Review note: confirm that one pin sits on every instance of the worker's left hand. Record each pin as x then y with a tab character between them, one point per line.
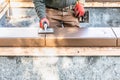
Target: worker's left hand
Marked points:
79	9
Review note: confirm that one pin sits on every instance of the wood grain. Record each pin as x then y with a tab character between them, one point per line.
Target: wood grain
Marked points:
3	9
60	51
87	4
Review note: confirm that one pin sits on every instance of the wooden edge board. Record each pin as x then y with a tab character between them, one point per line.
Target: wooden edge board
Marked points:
87	4
3	5
102	4
21	4
3	11
21	37
60	51
22	42
116	31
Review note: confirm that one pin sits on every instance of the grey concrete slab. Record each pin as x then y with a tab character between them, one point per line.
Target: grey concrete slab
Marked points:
21	37
81	37
117	33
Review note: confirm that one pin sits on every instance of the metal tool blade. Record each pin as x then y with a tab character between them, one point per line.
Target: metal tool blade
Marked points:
46	31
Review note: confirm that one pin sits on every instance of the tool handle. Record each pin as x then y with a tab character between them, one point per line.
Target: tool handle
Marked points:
44	21
45	25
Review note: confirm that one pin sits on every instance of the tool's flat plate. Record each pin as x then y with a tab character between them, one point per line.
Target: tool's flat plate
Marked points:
117	32
48	31
21	37
81	37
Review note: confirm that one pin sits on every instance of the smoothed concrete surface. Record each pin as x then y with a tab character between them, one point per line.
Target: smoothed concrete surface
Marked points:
81	37
68	37
21	37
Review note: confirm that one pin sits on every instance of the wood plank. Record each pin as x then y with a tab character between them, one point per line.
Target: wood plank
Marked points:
81	37
102	4
106	0
86	0
87	4
21	4
59	51
3	9
21	37
117	32
111	4
21	0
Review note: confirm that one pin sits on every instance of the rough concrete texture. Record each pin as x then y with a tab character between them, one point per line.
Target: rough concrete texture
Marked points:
59	68
20	18
4	22
103	17
24	17
98	17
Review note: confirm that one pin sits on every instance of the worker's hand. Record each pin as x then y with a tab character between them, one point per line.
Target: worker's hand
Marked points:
43	21
79	9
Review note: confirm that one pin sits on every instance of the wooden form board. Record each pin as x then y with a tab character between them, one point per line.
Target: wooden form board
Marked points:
4	6
59	51
86	0
87	4
3	10
20	0
102	0
117	32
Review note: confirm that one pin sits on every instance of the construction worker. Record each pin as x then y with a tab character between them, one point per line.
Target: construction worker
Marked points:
59	12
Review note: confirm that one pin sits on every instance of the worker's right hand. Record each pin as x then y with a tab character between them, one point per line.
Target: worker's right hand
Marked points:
43	21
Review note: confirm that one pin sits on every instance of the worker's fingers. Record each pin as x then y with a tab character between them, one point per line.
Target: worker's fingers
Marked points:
76	13
79	14
47	22
76	7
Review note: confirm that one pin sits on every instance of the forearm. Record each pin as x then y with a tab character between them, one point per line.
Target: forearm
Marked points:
81	1
40	8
